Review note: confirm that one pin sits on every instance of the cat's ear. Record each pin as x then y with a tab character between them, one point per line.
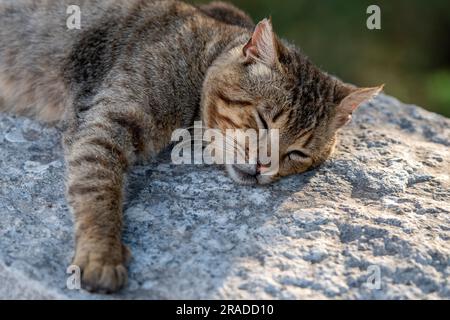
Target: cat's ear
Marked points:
262	46
353	101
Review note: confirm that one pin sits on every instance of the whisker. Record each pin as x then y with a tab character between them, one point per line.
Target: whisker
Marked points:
231	146
228	147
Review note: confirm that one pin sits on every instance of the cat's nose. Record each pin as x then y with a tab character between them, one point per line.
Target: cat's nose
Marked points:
261	169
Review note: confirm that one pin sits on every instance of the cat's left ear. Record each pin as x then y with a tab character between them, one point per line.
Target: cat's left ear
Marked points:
353	101
263	45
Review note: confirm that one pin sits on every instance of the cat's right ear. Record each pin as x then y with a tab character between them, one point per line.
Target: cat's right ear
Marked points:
262	46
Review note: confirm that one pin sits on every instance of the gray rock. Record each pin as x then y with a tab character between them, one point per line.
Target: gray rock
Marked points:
380	206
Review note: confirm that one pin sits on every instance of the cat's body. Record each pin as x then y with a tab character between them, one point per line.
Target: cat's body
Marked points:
136	71
164	47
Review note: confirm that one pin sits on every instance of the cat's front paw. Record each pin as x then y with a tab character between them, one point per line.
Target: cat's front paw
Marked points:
103	271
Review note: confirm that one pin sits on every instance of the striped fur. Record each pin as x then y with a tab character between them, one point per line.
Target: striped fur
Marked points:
136	71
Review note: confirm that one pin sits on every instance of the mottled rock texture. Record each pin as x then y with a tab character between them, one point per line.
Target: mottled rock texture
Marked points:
381	204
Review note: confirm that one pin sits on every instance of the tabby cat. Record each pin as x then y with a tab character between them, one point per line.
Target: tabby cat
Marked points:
137	70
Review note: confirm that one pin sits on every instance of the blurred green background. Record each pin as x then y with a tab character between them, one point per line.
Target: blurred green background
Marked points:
410	54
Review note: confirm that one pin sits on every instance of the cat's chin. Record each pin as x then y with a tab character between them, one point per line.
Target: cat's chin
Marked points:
245	178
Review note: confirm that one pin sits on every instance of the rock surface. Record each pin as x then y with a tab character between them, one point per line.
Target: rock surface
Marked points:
373	222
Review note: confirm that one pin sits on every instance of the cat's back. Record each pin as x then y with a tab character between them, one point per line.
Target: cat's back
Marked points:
42	29
40	52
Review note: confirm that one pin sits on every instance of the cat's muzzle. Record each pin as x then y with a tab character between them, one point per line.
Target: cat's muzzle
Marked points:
247	174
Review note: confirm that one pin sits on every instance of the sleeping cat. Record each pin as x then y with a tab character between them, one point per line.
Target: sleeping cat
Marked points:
139	69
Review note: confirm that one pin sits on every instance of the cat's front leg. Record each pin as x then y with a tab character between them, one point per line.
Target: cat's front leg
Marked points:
98	153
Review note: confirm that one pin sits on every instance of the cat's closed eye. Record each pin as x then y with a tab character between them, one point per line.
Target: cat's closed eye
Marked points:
298	155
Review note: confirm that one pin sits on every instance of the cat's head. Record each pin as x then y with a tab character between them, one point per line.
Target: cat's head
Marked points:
269	84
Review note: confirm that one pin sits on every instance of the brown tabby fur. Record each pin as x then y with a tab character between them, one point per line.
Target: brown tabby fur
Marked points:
136	71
